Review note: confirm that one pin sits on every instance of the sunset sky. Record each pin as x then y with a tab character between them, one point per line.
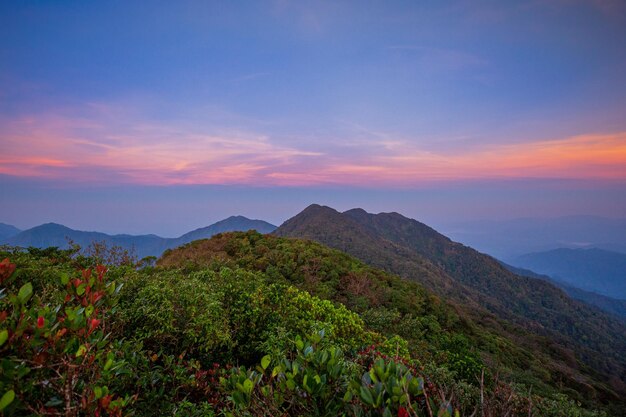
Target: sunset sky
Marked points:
165	116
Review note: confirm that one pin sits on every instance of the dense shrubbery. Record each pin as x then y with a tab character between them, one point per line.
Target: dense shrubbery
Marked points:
78	338
59	355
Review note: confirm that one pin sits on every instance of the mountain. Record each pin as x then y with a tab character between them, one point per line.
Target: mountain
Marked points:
435	328
607	304
231	224
52	234
481	286
6	231
509	239
595	270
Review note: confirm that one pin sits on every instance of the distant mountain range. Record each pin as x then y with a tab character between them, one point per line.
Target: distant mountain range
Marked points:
509	239
478	283
611	305
52	234
596	270
6	230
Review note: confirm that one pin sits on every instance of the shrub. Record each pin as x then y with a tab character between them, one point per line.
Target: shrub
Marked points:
59	359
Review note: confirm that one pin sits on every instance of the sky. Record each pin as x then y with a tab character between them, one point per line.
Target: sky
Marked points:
159	117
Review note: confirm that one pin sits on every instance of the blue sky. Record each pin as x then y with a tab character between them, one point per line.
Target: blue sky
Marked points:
271	105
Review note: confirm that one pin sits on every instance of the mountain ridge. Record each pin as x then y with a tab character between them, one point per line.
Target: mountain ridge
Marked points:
535	304
607	304
590	269
8	230
55	234
391	304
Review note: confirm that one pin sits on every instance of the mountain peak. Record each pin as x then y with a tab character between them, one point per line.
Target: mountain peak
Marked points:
51	226
235	218
230	224
7	230
317	219
316	209
356	211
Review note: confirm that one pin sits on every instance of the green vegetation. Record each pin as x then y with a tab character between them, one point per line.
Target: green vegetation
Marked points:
248	325
560	341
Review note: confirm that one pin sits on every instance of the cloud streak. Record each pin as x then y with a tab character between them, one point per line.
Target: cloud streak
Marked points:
101	151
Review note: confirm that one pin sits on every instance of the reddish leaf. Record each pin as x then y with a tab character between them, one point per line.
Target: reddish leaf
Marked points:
6	269
93	324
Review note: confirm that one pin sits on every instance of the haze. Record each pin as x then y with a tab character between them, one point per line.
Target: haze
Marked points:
162	117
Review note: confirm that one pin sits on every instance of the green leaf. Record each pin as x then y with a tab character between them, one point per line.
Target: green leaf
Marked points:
366	395
97	391
65	278
108	364
299	343
248	386
348	397
81	289
265	361
25	293
4	335
89	310
7	399
81	350
238	398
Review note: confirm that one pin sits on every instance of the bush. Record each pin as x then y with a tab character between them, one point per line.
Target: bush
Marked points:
173	314
59	359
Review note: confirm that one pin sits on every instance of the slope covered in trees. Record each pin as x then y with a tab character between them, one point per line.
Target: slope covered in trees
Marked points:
397	306
251	325
481	287
610	305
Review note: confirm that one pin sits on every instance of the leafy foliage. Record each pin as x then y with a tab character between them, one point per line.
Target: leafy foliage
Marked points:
260	326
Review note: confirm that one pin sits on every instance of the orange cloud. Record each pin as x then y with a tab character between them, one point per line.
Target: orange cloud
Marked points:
585	157
81	150
580	157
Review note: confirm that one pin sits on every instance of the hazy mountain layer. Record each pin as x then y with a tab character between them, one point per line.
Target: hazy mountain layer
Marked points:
593	270
52	234
508	239
607	304
6	230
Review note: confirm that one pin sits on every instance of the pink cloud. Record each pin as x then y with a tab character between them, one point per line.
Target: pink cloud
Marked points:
97	149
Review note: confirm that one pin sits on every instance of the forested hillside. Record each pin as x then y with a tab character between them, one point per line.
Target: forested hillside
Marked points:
479	285
522	355
246	324
610	305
